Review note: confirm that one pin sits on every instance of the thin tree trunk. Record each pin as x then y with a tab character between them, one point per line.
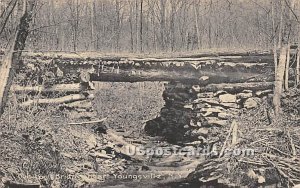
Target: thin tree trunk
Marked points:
10	64
197	25
141	26
131	27
274	38
297	67
287	67
281	25
279	79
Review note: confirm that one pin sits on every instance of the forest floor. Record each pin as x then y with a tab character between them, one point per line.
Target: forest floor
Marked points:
39	146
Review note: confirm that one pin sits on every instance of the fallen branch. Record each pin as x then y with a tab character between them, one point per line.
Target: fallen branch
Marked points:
292	144
226	140
89	122
234	133
125	145
66	99
64	88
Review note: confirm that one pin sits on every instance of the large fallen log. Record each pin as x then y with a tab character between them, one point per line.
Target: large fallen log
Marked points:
61	88
61	100
238	87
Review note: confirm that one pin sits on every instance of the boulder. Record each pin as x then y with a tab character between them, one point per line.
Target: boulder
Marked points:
252	103
227	98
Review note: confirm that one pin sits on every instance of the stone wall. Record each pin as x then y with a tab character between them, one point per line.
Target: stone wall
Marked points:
198	114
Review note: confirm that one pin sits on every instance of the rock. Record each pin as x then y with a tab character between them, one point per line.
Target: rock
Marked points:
91	142
212	111
211	101
203	131
216	109
100	155
227	98
195	143
225	115
188	106
203	78
244	95
196	88
207	114
199	132
218	93
261	180
100	128
205	95
263	93
230	105
195	124
247	91
217	121
201	105
87	180
251	103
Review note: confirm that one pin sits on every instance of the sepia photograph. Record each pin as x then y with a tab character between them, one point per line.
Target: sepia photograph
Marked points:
149	94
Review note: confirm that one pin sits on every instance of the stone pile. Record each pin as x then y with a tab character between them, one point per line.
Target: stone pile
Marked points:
192	114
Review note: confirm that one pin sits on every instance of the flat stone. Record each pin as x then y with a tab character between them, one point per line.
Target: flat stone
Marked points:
216	109
225	115
244	95
207	114
252	103
218	93
188	106
200	132
201	105
227	98
230	105
100	155
247	91
205	95
211	101
263	93
217	122
204	78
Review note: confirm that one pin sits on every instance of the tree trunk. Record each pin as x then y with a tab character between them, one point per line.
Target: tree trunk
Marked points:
279	79
10	63
141	26
287	67
274	37
297	68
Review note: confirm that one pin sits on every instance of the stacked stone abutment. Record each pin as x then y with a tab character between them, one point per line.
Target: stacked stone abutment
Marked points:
197	114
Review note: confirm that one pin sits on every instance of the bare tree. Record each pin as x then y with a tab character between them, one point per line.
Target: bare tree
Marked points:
10	64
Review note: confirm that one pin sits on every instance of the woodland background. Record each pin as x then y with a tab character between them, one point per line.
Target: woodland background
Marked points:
154	25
